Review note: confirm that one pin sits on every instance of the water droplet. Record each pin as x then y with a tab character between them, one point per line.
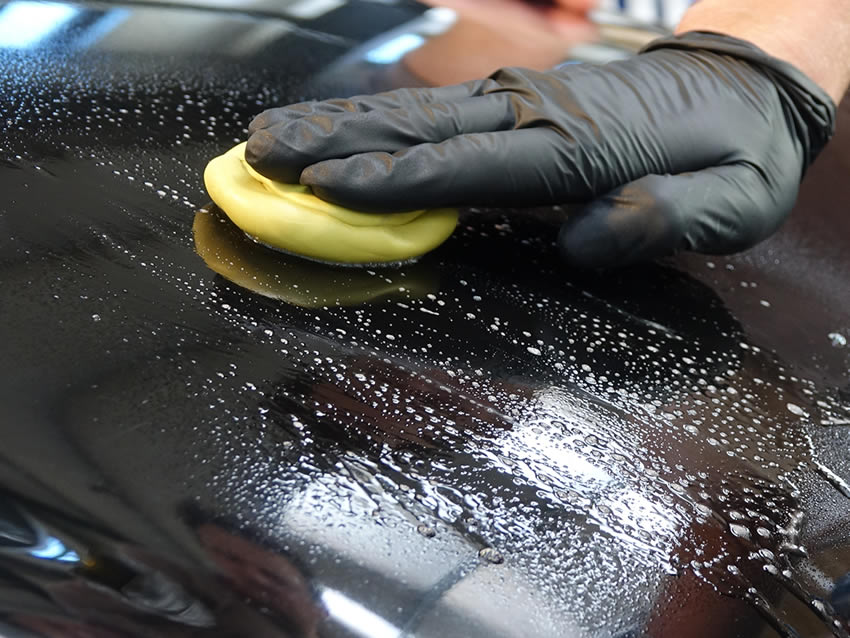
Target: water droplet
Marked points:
793	408
837	339
426	530
741	531
491	555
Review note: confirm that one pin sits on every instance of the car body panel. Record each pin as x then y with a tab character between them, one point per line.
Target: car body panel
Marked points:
201	437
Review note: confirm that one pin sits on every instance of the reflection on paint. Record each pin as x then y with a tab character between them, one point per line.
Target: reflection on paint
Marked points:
355	617
572	439
102	27
25	24
395	49
53	549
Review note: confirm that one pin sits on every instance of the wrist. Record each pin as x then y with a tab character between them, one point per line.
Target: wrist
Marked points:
808	110
785	30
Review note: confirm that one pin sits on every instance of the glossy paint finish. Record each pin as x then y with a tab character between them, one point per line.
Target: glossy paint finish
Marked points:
199	437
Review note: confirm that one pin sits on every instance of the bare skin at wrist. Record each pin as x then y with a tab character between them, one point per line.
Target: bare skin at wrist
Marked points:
815	40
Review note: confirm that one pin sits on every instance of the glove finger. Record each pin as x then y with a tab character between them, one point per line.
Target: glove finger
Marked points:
718	210
488	169
281	152
398	99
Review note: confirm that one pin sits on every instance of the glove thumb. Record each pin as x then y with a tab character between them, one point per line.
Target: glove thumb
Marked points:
719	210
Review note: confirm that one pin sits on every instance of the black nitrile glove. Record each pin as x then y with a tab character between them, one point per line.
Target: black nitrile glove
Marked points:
698	143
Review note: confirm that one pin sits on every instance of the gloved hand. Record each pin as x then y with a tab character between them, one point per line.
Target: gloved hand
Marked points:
698	143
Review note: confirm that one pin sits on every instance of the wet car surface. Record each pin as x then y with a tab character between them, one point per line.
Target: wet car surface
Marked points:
201	437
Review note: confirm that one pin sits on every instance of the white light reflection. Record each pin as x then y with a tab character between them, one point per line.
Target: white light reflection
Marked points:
437	20
355	617
53	549
601	478
103	27
24	24
312	9
395	49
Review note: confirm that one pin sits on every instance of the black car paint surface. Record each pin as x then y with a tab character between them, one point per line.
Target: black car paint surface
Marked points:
204	438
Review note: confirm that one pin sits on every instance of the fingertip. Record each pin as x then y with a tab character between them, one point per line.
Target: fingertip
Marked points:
322	179
584	243
272	117
327	180
258	148
315	176
264	155
261	121
614	230
636	222
362	183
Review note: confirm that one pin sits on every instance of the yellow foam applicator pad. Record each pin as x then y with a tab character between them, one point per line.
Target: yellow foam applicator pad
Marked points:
290	218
